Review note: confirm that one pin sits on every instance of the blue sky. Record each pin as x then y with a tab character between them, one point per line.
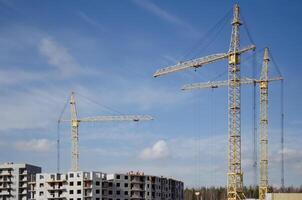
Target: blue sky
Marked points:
108	50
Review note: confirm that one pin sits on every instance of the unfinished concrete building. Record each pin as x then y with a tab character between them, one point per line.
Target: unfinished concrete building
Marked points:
24	182
72	186
14	180
142	187
99	186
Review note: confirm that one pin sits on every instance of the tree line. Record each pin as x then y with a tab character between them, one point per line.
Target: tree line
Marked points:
219	193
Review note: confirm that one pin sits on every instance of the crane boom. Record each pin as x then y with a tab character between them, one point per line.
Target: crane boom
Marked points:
214	84
75	122
224	83
109	118
198	62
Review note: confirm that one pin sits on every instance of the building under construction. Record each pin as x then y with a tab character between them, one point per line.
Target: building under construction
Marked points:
24	182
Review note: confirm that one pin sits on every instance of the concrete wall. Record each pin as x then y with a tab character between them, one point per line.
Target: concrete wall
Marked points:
284	196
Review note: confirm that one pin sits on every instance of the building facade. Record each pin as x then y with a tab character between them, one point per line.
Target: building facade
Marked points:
26	182
139	186
99	186
71	186
14	180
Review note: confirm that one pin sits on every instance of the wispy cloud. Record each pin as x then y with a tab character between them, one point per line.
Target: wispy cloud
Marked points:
58	56
35	145
20	76
34	109
159	150
164	15
91	21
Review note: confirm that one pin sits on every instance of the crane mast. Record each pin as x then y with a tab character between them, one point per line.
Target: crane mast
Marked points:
235	176
263	187
74	134
263	83
75	122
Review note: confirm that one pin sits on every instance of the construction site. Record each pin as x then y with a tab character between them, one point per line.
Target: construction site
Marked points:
245	101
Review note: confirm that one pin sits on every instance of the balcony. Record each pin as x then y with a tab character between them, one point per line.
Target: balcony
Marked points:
53	189
5	173
6	187
137	187
88	194
137	196
23	185
6	180
23	173
55	196
5	193
24	179
137	180
24	192
56	180
87	185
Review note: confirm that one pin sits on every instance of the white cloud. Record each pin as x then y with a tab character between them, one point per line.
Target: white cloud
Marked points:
59	57
159	150
36	145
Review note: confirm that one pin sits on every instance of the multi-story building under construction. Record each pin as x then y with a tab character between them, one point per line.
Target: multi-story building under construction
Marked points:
98	186
72	186
26	182
142	187
14	179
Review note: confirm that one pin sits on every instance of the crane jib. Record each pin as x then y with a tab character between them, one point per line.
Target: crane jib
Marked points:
196	63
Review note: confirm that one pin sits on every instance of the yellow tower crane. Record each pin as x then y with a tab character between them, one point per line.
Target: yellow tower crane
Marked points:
263	186
263	83
75	122
234	175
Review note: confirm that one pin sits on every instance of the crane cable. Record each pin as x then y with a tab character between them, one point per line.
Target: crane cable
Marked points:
212	133
247	29
198	150
203	43
282	135
281	118
58	134
255	136
113	110
206	35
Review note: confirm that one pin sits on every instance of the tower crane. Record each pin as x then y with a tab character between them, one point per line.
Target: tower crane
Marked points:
234	175
263	83
263	187
75	122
